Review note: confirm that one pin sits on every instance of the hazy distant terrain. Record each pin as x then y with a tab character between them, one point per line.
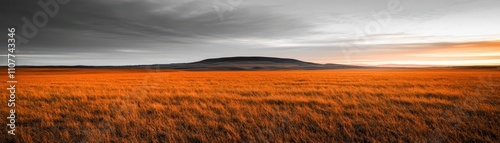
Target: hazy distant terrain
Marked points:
264	63
252	63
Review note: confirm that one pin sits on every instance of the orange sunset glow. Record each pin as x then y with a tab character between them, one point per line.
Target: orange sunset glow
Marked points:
441	54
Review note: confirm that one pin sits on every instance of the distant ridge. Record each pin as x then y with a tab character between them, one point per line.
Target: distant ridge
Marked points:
231	63
252	63
263	63
263	60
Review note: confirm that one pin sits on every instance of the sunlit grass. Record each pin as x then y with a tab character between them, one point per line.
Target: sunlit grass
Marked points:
256	106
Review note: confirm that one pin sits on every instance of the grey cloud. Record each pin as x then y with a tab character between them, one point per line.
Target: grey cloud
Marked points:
185	30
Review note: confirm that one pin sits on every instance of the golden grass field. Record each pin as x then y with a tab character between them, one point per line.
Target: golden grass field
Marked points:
126	105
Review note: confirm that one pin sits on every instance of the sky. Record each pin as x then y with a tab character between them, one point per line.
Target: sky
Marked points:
357	32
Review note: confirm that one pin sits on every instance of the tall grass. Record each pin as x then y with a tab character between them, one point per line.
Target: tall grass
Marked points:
70	105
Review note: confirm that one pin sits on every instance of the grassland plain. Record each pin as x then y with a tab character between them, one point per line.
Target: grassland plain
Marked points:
113	105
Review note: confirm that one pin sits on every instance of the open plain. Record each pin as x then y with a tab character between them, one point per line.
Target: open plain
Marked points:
357	105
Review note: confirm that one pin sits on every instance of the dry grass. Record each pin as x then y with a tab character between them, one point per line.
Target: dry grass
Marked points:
68	105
